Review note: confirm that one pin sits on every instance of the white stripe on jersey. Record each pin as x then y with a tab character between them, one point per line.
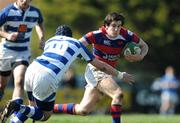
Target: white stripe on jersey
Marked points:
60	52
14	12
16	44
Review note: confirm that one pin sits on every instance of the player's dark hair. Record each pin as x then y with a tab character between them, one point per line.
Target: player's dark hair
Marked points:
113	17
64	30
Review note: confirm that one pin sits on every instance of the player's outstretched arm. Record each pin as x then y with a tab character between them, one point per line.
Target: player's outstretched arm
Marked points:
112	71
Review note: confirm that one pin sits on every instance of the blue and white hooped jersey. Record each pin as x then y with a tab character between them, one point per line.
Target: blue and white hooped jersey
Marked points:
169	80
60	52
13	19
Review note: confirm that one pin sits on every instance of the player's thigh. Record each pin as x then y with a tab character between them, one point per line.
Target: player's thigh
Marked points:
109	87
20	64
90	98
19	71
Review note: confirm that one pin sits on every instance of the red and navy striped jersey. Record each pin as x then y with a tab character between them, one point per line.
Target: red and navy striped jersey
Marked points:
108	50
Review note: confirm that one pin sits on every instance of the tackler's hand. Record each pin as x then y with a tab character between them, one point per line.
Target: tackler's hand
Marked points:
128	78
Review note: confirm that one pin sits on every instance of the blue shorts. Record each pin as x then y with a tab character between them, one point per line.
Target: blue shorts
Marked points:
42	105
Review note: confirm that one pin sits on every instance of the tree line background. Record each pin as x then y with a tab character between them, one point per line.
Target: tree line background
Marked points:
157	22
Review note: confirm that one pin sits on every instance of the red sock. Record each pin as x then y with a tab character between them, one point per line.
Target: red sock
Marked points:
64	108
116	113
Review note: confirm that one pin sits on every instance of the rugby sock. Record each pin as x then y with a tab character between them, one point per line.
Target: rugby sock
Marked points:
19	118
31	112
116	113
25	112
64	108
18	101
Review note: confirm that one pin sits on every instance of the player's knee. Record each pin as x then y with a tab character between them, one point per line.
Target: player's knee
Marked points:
119	94
82	111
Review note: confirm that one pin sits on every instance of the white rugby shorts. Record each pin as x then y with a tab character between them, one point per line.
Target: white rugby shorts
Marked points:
41	83
169	96
93	76
7	57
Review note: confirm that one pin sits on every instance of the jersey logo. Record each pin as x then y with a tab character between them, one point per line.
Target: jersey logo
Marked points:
21	31
110	57
107	42
22	28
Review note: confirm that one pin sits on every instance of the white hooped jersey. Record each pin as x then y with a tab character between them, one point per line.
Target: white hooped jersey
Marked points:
60	52
13	19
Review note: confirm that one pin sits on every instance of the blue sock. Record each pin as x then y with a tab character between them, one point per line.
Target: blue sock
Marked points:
31	112
18	101
19	118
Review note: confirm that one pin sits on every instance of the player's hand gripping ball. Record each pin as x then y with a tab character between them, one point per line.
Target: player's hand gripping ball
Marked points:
132	49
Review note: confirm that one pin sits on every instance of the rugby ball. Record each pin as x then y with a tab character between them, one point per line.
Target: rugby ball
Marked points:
132	49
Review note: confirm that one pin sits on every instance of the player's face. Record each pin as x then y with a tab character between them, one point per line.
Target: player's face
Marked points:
23	4
113	29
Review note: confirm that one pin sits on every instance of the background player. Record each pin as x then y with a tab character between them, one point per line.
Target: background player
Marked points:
17	21
108	43
168	85
46	71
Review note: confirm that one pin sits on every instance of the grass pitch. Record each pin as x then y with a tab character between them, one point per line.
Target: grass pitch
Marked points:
126	118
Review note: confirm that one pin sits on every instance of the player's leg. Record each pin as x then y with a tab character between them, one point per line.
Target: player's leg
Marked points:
43	98
105	84
41	112
4	77
89	100
173	102
18	74
6	59
109	87
19	65
169	103
18	116
164	107
164	103
5	71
